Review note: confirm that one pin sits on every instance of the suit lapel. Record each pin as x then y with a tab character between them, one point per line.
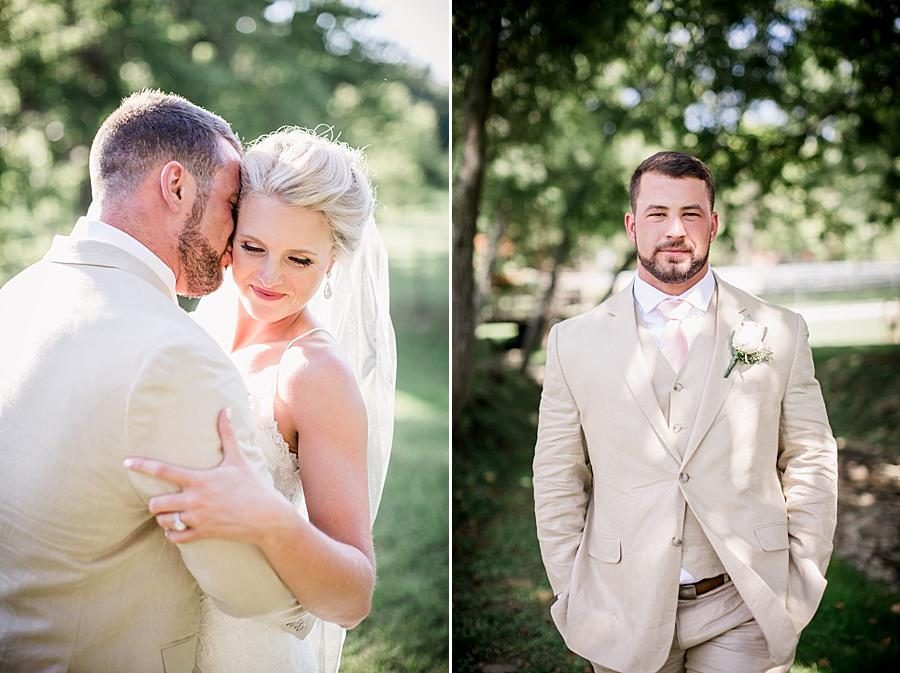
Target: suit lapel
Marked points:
625	351
68	250
730	312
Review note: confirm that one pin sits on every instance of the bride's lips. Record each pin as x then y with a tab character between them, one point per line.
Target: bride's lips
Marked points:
265	295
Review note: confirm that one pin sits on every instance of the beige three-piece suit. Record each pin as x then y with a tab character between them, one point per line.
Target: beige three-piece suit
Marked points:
97	363
640	471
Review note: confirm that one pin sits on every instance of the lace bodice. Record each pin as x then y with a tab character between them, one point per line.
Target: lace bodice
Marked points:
282	463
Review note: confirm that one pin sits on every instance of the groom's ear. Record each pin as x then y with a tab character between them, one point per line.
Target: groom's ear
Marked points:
629	227
177	186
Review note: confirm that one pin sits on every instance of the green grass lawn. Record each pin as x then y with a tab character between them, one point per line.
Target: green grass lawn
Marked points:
501	596
408	628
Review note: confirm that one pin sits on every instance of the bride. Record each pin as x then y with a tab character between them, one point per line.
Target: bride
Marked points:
319	367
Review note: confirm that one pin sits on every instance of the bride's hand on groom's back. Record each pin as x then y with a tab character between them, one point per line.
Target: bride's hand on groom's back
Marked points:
228	501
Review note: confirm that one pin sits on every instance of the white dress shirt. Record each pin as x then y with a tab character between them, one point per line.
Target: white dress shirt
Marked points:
648	299
95	230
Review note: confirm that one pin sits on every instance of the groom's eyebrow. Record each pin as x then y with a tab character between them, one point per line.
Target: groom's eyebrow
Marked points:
690	206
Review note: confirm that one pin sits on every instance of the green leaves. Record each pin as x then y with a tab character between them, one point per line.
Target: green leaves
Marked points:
259	64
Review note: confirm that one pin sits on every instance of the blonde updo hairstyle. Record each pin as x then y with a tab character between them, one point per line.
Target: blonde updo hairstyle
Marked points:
312	169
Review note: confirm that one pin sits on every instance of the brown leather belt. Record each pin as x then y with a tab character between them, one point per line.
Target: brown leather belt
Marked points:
688	592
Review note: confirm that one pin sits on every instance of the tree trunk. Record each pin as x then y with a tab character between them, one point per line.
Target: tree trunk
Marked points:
466	196
541	316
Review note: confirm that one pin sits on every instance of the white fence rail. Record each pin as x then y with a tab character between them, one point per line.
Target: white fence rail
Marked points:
806	279
802	287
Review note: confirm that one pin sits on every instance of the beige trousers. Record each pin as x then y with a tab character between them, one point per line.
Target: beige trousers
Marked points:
716	633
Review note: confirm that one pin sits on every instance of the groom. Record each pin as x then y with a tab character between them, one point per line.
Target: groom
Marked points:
685	471
98	362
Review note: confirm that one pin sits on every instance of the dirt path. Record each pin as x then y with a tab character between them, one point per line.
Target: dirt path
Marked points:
868	532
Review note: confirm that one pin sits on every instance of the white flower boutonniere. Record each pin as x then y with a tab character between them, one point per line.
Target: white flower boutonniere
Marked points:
747	345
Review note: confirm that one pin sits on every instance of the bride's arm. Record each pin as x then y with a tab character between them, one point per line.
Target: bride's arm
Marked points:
327	562
329	565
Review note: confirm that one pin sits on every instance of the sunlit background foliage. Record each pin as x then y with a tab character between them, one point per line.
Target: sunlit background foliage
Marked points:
65	65
792	103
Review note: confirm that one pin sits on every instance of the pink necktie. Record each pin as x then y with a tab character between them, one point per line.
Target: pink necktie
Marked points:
674	343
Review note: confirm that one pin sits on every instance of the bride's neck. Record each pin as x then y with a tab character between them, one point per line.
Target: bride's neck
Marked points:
251	332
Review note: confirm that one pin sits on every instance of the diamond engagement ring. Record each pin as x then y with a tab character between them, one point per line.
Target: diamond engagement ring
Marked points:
179	525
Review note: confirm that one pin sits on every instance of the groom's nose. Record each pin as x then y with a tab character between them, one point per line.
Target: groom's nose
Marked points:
676	227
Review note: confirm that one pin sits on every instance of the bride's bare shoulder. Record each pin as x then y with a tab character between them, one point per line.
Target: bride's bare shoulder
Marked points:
318	403
313	367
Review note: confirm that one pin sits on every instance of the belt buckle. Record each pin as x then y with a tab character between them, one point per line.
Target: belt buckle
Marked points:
687	592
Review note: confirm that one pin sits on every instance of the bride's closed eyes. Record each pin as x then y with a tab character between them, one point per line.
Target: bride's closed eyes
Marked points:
256	250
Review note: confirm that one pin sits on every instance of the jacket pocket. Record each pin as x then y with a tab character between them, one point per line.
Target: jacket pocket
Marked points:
179	656
772	536
605	548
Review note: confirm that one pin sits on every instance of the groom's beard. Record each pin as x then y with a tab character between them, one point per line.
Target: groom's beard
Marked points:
670	273
201	265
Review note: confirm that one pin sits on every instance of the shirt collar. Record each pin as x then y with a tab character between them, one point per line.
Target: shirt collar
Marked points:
698	296
95	230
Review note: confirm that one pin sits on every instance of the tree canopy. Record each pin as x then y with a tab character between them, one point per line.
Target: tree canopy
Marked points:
791	103
794	98
262	65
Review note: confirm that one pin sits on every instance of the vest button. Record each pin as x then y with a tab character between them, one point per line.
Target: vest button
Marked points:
677	427
684	477
678	387
676	541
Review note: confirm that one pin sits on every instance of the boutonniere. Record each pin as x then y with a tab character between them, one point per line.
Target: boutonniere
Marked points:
747	345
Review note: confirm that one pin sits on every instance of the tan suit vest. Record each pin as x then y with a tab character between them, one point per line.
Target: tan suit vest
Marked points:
678	396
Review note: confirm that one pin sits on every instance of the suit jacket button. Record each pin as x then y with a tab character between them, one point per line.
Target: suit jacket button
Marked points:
676	541
678	387
684	477
677	427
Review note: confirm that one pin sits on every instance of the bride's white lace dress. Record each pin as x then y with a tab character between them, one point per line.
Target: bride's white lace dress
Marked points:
358	317
230	645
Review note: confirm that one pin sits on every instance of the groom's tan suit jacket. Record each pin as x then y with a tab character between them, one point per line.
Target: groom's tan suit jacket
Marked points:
630	480
97	362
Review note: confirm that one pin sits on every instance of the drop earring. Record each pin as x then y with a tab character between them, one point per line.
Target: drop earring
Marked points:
327	292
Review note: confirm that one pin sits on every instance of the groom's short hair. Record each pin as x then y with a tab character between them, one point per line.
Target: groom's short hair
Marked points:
150	128
673	165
